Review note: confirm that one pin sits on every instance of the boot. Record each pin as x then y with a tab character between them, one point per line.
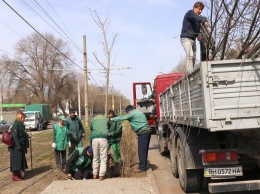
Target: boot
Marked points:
95	176
101	178
19	174
15	176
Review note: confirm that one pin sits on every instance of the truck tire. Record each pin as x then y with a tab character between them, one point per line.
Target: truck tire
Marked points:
190	179
159	143
161	148
173	158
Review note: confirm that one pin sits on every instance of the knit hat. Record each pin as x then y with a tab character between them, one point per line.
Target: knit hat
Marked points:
90	151
62	118
72	110
128	108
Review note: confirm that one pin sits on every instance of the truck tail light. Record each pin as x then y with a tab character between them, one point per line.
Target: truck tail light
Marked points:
212	157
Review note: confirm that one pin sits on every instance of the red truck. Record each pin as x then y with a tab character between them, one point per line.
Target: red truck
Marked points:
209	123
146	106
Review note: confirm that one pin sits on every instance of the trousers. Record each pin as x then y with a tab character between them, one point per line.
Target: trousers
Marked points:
143	146
100	151
60	157
116	151
189	46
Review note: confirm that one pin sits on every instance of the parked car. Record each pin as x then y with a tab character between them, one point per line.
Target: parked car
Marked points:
4	126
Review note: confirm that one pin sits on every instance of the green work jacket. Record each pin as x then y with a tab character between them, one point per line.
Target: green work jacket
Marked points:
137	120
115	131
75	127
99	127
81	161
60	136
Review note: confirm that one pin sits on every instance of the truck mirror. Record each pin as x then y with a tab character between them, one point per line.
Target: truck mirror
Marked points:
144	89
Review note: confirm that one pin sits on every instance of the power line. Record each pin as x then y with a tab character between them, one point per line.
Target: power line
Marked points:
63	24
41	34
94	79
10	28
36	4
7	53
73	43
52	27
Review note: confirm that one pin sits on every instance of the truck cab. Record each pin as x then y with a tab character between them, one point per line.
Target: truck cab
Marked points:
31	120
142	90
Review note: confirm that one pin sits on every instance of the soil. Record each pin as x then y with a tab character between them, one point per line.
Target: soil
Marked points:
41	171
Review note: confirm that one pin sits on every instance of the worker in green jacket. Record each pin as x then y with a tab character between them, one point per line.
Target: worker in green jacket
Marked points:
140	126
114	136
60	142
79	164
76	130
98	138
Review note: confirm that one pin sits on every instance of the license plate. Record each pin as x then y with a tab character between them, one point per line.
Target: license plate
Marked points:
226	171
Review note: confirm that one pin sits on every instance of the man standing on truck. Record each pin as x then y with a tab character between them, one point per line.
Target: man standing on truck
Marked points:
140	126
190	31
76	130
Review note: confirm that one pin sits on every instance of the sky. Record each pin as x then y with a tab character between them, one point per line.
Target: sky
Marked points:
148	32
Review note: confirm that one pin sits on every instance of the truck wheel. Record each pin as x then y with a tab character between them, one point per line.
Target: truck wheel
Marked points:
174	161
159	142
161	148
190	180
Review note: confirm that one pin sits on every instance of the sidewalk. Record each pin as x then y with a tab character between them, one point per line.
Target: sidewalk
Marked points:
133	185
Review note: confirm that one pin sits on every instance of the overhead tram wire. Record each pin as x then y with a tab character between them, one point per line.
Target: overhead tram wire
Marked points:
41	35
10	29
47	22
61	21
7	52
50	43
94	80
59	27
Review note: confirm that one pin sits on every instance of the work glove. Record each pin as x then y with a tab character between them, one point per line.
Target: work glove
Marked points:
29	135
69	176
53	145
69	144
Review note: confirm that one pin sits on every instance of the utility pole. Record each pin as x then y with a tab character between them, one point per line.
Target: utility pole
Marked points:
79	108
85	80
1	101
107	82
120	105
113	99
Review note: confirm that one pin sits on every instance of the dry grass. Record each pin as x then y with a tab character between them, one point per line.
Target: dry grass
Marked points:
128	147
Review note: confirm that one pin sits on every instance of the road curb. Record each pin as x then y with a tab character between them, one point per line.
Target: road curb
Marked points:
152	179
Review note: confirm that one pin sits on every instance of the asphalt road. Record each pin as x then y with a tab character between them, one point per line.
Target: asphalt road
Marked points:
161	169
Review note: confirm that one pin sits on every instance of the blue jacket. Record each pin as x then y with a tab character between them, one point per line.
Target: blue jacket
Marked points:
191	25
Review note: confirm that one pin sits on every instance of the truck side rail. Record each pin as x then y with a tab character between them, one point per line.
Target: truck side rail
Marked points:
218	95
